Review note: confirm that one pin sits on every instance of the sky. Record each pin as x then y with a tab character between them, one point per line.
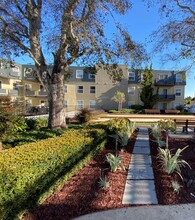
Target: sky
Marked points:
141	22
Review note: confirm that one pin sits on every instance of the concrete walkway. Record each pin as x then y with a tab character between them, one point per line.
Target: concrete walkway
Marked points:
140	188
153	212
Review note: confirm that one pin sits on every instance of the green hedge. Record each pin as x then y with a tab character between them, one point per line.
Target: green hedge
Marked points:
30	172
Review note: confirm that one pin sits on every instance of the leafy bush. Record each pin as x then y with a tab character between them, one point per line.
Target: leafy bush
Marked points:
137	107
29	171
20	124
37	123
115	162
172	163
118	124
167	125
84	115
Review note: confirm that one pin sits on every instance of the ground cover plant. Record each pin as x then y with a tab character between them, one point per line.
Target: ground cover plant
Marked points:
29	172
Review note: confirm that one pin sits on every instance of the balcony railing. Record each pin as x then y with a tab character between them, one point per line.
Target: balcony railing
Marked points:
164	82
13	92
3	91
29	92
166	97
42	93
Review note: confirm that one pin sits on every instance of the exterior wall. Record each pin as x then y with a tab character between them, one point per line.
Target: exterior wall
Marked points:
106	89
171	85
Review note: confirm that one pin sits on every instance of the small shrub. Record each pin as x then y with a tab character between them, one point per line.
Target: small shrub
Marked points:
20	124
137	107
84	115
172	163
34	124
176	186
103	182
115	162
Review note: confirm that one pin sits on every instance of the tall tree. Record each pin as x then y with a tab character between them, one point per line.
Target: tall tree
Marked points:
119	97
147	95
72	31
177	28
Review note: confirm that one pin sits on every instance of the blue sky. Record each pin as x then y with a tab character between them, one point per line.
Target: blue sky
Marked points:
141	21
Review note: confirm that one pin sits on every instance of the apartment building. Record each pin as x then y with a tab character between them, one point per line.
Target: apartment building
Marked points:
86	89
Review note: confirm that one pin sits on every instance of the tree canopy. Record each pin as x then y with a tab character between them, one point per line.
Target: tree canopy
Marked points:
177	29
64	32
147	95
119	97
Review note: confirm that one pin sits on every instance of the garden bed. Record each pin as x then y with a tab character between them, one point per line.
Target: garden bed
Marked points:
82	194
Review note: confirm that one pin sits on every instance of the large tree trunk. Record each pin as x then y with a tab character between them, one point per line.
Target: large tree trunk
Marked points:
57	118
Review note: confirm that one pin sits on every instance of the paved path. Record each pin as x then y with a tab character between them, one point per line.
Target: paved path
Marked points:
139	188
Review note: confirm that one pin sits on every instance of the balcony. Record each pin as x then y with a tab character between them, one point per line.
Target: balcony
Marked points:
42	93
13	92
166	97
2	91
29	92
164	82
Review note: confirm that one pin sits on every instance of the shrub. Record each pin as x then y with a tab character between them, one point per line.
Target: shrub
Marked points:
34	124
137	107
28	171
84	115
118	124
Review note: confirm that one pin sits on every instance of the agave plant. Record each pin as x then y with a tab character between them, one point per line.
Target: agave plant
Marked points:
156	131
103	182
115	162
176	186
172	163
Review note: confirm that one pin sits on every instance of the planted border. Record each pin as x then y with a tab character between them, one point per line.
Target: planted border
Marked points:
29	173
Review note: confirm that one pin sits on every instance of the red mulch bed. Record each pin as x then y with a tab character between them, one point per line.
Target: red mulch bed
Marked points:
82	194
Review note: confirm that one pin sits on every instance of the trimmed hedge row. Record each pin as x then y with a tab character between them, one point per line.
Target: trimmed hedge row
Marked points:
32	170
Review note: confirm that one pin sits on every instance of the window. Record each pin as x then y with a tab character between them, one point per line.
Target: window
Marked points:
91	75
80	104
66	89
79	74
79	89
131	91
65	104
92	104
92	89
131	76
178	92
178	78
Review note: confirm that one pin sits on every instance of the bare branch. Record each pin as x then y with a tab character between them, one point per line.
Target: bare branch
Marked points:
185	7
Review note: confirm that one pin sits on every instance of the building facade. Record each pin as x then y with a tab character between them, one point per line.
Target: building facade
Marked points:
86	89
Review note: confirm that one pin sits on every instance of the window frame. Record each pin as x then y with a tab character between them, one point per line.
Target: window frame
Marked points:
178	78
91	75
131	94
81	106
79	74
79	89
92	106
178	94
90	91
133	78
